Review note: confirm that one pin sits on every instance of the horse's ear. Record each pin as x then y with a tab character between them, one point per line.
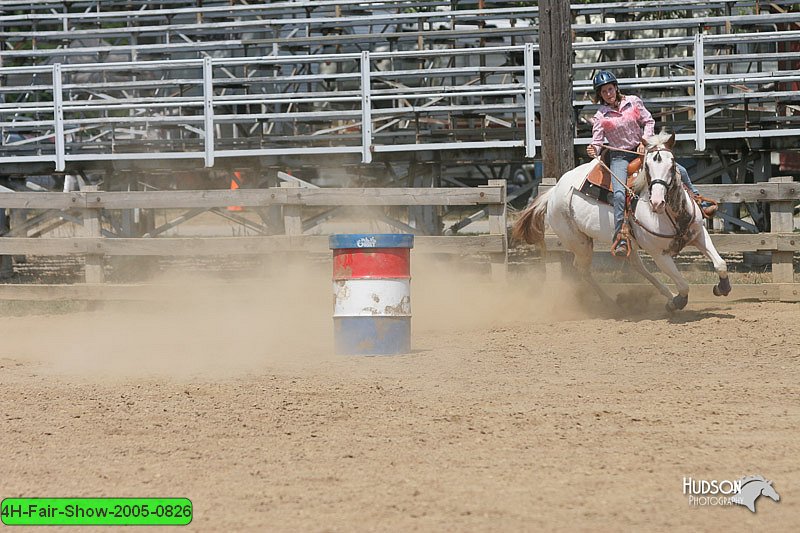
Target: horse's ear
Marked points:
671	141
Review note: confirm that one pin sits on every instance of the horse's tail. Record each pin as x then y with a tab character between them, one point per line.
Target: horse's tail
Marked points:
529	227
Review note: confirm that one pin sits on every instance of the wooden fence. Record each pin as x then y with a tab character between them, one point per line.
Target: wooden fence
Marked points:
782	194
95	243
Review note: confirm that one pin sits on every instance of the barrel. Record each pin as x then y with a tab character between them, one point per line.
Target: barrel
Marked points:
372	293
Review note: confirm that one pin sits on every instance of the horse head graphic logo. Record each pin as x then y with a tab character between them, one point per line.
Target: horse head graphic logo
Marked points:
752	488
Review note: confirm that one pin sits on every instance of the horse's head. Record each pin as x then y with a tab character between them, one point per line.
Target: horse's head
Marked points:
768	491
658	174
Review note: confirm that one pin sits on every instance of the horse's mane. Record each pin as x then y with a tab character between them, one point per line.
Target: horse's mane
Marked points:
640	183
659	139
654	141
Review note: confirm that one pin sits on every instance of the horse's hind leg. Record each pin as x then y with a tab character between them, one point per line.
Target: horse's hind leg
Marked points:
636	263
582	247
706	247
605	298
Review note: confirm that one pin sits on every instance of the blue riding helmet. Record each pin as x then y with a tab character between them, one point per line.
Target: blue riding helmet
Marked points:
603	77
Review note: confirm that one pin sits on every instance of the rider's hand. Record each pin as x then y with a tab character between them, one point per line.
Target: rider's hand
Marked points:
591	151
640	148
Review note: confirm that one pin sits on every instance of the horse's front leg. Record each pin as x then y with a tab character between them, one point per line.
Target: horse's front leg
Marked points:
636	262
667	265
706	247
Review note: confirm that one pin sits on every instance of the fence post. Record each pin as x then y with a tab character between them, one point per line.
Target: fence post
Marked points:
497	226
782	221
18	219
553	261
555	88
6	261
92	229
292	219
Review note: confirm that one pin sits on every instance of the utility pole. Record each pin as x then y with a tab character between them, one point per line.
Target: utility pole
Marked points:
557	115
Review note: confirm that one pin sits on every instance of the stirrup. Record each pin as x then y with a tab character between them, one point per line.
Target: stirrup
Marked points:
621	245
621	248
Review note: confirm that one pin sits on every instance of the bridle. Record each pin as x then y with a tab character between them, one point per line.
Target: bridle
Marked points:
657	158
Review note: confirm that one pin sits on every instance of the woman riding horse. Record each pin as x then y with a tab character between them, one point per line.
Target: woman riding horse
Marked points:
622	121
663	222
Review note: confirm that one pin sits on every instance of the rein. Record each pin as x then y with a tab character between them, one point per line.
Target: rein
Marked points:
624	184
674	225
615	177
615	149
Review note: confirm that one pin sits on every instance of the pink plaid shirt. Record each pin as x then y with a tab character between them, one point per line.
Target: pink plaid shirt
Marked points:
623	128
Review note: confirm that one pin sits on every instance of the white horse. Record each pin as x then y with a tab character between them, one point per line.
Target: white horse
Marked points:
664	221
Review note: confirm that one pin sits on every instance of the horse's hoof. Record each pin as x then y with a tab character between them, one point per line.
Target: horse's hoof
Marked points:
670	307
679	302
723	288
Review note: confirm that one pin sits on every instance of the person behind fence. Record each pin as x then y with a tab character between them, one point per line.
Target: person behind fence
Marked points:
622	120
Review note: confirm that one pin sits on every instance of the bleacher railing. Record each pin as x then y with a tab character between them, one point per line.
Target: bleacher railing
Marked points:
371	102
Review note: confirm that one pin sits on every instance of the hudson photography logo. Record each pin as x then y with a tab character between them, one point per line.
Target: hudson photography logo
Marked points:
725	492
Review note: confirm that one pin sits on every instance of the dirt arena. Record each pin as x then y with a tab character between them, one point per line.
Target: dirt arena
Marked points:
519	409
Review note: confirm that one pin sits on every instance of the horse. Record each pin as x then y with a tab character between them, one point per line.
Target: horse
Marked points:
664	220
752	488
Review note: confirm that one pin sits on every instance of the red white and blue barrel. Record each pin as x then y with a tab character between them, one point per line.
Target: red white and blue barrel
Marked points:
372	293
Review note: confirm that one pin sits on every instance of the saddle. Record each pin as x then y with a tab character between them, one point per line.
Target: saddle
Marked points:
597	183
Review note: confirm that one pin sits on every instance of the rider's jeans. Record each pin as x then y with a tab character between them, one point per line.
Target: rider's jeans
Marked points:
619	167
685	179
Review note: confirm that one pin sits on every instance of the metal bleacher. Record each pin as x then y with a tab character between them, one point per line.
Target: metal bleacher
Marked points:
102	86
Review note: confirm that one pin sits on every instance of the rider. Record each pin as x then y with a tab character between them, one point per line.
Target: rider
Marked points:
622	120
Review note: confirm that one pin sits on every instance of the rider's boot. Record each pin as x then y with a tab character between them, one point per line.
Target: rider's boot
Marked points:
709	208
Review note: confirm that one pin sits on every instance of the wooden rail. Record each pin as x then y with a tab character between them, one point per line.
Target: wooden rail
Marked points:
95	244
782	194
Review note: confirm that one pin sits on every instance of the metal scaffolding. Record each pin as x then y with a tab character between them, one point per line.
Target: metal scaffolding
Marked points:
82	83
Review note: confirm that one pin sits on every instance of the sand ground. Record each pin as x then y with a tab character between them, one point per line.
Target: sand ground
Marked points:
520	409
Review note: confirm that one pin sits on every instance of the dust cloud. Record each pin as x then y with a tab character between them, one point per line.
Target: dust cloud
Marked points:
448	292
197	327
184	326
